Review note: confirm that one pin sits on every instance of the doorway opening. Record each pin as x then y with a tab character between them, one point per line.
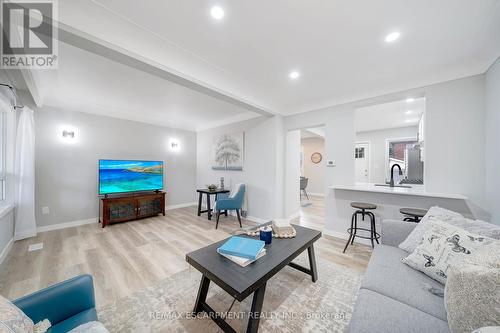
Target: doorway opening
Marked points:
312	178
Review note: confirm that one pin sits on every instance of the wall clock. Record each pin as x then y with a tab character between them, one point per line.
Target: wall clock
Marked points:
316	158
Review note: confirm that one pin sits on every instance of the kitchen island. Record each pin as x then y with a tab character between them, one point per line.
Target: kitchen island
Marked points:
389	200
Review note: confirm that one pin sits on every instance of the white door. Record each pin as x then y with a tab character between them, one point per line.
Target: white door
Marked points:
361	156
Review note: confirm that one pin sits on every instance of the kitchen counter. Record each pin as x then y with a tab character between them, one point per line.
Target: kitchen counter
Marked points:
415	190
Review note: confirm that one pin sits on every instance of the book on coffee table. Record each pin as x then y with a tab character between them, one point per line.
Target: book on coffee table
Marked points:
242	247
243	262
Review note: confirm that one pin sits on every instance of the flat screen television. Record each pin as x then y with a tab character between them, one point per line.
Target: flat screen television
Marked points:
122	176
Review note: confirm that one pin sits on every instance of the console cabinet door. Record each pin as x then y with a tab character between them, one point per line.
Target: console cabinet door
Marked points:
122	210
148	206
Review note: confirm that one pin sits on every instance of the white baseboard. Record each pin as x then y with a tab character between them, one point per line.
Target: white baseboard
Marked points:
187	204
345	236
256	219
66	225
94	220
6	250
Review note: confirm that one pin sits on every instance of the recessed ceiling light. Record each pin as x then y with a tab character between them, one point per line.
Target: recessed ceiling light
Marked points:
393	36
294	75
410	100
217	12
409	112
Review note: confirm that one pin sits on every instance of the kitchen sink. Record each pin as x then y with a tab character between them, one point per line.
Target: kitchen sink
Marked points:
387	185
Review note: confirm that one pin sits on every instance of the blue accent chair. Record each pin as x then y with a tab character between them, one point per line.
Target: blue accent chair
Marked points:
226	202
66	305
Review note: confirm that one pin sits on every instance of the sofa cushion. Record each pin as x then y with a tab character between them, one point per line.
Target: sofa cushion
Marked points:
376	313
387	275
74	321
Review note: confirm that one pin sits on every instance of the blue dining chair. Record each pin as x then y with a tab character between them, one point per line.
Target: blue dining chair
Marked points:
233	201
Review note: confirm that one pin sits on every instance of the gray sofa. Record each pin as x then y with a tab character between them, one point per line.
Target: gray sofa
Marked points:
394	297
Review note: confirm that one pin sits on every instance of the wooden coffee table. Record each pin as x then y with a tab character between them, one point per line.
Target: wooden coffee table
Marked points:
241	282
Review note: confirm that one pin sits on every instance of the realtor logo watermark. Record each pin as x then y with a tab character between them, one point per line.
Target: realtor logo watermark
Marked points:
29	38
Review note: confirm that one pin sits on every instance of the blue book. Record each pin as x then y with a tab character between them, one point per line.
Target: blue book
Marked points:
242	247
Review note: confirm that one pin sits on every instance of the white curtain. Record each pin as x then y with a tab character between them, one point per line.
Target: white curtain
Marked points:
24	169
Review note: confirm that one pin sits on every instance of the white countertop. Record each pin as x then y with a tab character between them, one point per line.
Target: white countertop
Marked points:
417	190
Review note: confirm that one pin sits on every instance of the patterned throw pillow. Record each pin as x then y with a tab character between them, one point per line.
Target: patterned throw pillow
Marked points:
438	214
12	319
443	246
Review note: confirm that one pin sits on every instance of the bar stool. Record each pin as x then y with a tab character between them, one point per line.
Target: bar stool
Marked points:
413	214
362	208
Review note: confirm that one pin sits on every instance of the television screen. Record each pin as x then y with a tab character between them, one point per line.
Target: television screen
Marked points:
119	176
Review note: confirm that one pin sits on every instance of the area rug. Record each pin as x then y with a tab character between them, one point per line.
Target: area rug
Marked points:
292	303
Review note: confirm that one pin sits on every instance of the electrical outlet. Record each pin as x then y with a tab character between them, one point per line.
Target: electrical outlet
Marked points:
330	163
45	210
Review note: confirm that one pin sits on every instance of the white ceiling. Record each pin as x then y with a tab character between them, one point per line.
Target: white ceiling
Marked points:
389	115
315	132
338	46
89	83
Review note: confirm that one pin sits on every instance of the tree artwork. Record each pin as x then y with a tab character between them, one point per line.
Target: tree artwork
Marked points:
228	152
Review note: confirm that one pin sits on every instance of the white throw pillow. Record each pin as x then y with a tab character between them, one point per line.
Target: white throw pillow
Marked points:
12	319
472	297
438	214
443	246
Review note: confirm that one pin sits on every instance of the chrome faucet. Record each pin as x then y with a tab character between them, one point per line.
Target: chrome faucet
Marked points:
391	184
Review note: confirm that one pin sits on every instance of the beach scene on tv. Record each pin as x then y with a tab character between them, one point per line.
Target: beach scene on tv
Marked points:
118	176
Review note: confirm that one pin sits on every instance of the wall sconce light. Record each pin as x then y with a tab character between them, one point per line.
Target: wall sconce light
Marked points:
174	144
68	134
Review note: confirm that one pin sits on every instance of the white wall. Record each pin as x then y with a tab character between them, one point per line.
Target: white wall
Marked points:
454	142
262	164
6	233
454	138
314	171
292	175
377	141
66	174
492	144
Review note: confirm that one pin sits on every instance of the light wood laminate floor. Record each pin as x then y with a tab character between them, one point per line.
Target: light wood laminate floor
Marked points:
127	257
312	212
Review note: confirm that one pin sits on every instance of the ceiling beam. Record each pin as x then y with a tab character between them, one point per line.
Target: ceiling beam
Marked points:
82	40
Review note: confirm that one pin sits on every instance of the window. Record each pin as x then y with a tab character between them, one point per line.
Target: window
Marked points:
359	152
407	154
2	156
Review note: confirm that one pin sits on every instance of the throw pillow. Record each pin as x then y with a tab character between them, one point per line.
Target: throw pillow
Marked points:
13	319
444	245
472	297
488	255
433	214
437	214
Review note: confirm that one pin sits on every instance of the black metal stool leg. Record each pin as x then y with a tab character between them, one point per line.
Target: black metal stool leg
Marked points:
374	228
350	234
372	222
354	231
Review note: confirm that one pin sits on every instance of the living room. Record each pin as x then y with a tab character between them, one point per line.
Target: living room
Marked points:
149	136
